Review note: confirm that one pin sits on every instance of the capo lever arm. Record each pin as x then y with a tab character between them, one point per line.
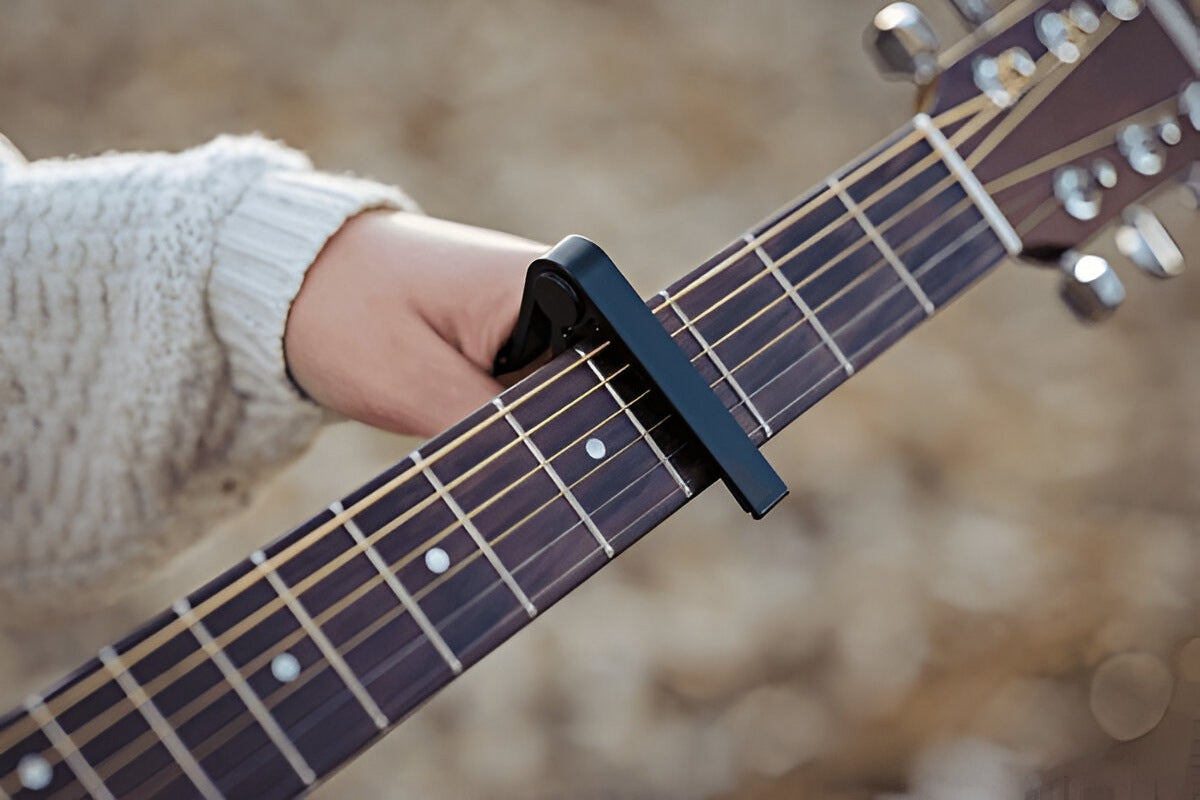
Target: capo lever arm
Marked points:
574	291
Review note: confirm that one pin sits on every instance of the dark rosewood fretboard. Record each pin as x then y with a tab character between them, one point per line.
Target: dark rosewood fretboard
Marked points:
268	679
276	673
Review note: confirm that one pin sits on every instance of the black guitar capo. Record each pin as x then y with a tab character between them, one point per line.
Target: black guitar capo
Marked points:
575	290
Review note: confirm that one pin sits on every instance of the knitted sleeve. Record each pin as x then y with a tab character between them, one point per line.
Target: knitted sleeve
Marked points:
143	391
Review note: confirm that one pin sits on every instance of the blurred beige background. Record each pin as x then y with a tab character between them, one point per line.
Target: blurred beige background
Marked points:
1000	504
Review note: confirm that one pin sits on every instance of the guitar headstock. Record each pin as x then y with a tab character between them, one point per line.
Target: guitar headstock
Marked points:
1068	112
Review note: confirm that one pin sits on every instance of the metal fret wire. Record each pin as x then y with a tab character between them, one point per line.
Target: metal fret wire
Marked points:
696	282
368	501
286	690
399	656
358	639
1010	15
299	588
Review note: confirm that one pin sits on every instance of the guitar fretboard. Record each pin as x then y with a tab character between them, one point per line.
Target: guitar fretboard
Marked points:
269	678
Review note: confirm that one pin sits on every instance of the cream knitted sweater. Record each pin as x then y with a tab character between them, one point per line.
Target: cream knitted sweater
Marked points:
142	384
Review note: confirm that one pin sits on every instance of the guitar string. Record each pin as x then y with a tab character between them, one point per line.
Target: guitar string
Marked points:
181	716
396	658
346	647
1082	147
760	348
985	148
232	634
672	453
866	167
319	666
799	210
1038	93
359	638
477	511
174	628
235	632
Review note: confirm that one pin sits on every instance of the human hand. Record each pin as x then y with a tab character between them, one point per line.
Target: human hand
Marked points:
400	316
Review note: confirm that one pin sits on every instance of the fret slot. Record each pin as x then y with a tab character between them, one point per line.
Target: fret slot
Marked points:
518	505
643	433
870	304
330	653
113	737
251	700
207	714
961	253
881	244
67	748
556	478
319	714
411	529
708	351
402	594
365	620
476	536
924	216
166	734
809	316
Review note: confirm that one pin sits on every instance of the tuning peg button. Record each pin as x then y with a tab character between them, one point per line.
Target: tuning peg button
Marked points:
975	12
904	44
1142	149
1144	241
1090	287
1076	189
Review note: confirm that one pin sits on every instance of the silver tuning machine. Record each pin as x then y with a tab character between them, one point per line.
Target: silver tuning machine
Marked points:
1090	287
1144	240
974	12
903	44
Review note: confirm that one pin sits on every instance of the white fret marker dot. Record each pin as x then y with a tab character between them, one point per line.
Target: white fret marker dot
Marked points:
437	559
35	772
285	668
595	448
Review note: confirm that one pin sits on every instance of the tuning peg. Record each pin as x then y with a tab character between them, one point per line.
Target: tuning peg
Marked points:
1145	242
903	44
1090	287
974	12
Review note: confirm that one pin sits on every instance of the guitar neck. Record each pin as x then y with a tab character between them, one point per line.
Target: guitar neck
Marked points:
270	677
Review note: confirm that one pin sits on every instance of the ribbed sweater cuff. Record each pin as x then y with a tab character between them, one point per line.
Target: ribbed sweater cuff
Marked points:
263	250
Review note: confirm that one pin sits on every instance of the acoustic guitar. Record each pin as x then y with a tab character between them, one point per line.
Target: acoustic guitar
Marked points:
1051	121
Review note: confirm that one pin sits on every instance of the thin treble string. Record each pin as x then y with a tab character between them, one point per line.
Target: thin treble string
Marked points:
362	635
318	575
966	202
271	701
918	168
181	716
396	658
175	626
1073	151
882	228
235	631
948	117
1037	95
227	634
974	231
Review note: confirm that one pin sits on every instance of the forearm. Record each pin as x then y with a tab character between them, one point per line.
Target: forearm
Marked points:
143	300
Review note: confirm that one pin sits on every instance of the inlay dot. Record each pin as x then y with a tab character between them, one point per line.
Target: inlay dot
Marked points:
34	771
595	448
437	559
285	668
